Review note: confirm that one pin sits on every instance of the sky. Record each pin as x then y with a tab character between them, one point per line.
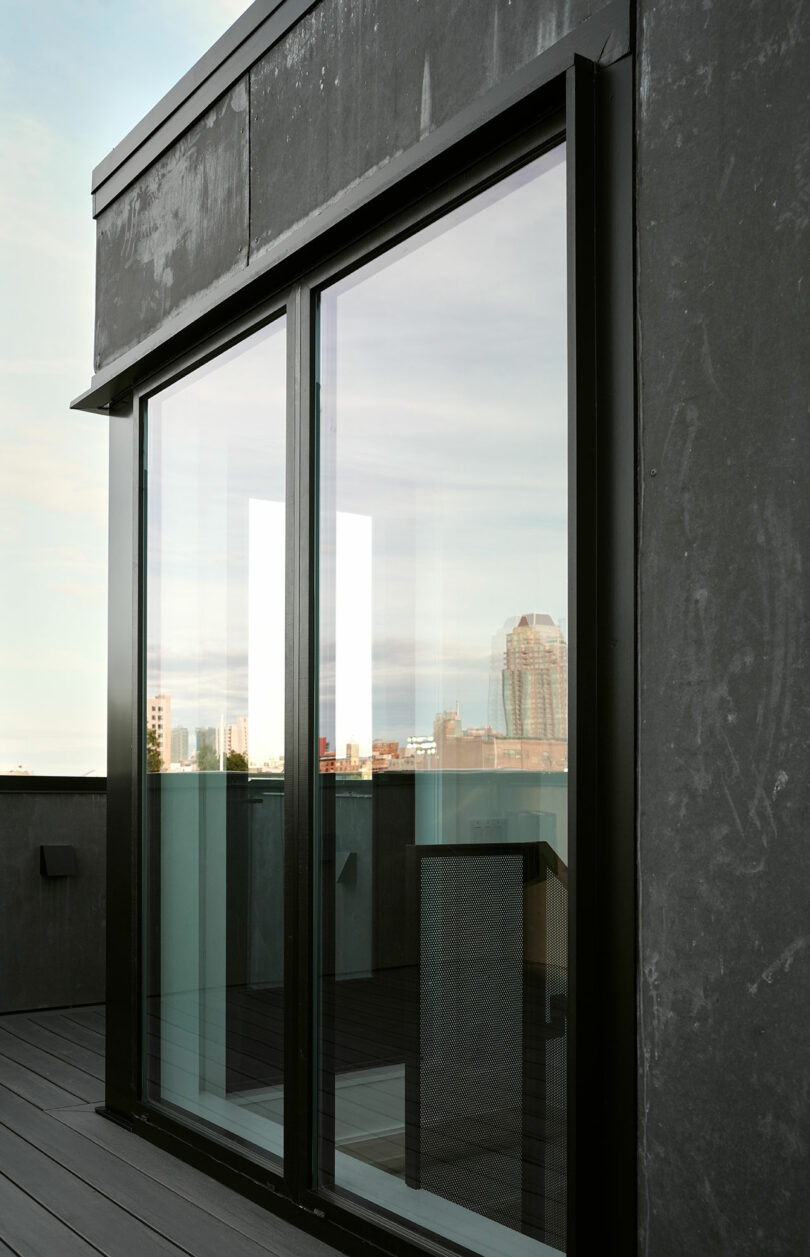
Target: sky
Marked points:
75	77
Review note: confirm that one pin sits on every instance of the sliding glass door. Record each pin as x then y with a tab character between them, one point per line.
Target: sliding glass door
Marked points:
443	723
431	1027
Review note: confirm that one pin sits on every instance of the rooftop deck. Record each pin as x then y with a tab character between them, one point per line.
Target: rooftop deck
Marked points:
73	1184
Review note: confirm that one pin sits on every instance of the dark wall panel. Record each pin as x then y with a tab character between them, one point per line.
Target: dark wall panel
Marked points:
353	85
723	249
51	928
359	81
177	231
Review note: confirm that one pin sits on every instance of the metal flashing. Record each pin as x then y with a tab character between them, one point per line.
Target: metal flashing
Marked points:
603	38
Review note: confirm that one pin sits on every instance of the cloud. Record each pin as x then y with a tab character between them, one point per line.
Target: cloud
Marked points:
204	682
63	557
80	592
42	366
48	659
32	473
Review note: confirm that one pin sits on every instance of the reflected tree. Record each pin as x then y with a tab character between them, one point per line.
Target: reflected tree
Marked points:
154	758
207	759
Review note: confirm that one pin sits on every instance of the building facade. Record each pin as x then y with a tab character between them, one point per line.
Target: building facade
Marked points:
417	316
180	745
159	721
535	680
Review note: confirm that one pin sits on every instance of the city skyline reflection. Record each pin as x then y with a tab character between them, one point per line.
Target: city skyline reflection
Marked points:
528	731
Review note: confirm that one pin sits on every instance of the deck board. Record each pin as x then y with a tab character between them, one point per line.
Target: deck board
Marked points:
89	1061
45	1094
46	1065
143	1197
73	1184
94	1017
32	1230
110	1229
68	1028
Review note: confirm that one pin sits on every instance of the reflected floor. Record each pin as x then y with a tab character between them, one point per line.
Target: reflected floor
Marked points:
369	1115
480	1144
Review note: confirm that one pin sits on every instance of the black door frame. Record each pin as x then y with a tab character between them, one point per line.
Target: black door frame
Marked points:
592	108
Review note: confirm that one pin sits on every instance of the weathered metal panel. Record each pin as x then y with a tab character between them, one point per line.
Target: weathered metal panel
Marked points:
723	251
359	81
177	231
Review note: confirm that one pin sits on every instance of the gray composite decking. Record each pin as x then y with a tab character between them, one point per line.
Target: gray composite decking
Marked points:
73	1184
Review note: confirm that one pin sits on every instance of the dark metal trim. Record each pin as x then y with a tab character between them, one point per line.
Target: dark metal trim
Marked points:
583	627
250	36
510	107
227	335
346	1224
53	785
602	934
612	946
123	763
299	752
603	37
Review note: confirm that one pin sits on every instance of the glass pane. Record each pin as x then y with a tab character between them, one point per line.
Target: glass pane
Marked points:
215	741
443	711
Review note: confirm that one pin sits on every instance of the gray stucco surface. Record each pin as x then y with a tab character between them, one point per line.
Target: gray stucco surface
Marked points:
723	247
51	928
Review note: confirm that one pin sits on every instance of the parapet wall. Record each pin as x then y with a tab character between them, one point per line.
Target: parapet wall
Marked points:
52	928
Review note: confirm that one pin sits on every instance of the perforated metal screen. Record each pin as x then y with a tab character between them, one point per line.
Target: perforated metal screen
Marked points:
491	1111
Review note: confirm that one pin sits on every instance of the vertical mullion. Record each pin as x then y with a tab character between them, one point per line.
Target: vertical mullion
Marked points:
583	1027
124	740
616	646
299	747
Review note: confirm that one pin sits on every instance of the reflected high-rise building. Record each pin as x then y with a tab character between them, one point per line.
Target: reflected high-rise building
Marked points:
179	744
495	716
534	679
233	737
206	736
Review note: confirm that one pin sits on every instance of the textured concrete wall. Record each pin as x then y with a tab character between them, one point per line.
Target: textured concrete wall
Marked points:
723	277
355	83
52	929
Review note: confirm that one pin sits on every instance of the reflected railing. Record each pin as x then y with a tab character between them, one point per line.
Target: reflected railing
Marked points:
444	994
